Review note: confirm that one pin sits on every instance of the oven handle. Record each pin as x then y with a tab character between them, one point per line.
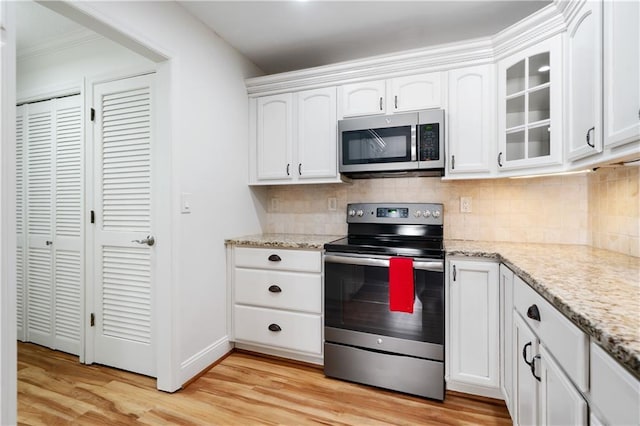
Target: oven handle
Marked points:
430	265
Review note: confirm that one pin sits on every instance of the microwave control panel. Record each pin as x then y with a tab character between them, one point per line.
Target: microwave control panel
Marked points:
429	141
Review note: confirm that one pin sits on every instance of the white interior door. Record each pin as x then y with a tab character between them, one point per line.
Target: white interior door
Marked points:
123	335
49	222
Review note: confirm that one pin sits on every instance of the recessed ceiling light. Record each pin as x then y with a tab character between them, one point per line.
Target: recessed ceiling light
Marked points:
544	68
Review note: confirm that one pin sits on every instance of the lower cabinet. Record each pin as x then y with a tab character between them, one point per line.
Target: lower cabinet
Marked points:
277	302
506	335
546	381
473	348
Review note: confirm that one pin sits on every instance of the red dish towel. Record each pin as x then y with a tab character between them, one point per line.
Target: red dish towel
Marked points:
401	290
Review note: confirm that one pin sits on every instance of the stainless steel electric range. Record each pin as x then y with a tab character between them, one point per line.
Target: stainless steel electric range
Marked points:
365	340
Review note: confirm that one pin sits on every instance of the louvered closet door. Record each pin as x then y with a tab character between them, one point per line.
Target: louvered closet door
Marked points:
68	243
49	208
39	294
123	270
20	234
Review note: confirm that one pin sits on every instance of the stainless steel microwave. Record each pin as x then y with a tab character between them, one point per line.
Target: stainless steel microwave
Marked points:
399	144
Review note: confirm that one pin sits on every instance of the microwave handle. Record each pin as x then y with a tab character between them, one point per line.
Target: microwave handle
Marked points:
414	143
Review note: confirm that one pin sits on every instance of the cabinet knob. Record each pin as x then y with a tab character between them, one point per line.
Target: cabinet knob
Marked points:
275	289
533	312
274	258
275	327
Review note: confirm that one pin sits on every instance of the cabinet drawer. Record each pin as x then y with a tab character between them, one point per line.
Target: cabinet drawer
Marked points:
289	260
298	331
276	289
614	392
566	342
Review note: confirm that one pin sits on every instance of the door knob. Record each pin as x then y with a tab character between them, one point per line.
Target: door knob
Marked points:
150	240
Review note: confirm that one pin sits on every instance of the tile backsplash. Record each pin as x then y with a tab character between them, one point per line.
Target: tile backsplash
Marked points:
599	209
614	209
552	210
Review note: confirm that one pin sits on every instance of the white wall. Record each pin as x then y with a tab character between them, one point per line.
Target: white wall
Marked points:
8	365
67	67
209	115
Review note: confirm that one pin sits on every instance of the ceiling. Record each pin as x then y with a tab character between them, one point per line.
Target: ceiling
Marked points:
281	36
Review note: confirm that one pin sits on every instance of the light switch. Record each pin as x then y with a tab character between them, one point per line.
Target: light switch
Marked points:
185	203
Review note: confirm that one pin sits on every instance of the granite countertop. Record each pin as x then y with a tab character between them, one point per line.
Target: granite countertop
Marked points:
598	290
285	241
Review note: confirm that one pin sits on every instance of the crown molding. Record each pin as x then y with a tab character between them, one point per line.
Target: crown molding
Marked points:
66	41
538	26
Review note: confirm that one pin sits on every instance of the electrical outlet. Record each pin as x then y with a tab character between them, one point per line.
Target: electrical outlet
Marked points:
332	204
465	204
275	205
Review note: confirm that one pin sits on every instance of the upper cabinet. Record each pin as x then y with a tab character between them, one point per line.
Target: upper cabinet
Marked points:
471	121
275	136
400	94
530	107
295	138
584	82
621	72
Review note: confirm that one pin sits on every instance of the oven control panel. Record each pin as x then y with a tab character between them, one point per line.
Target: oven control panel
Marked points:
398	213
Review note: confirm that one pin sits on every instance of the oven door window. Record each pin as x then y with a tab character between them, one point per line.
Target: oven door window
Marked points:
386	145
357	298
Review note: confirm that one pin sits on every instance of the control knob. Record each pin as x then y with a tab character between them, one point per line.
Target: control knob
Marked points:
426	213
360	213
417	213
436	213
352	213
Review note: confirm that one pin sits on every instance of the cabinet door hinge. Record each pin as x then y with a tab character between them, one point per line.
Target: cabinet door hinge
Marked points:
93	216
92	319
93	114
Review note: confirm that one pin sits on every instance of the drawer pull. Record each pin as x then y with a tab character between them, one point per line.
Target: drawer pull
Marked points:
274	327
274	258
275	289
533	367
533	312
524	354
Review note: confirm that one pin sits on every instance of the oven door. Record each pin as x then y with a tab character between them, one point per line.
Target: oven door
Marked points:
357	305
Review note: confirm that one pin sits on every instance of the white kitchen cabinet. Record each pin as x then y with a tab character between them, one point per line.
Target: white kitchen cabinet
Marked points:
615	393
621	49
525	387
473	338
506	335
414	92
530	107
366	98
399	94
317	134
560	402
584	82
276	299
274	136
296	138
549	363
471	121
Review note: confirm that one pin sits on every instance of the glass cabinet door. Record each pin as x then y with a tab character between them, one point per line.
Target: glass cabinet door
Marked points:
529	87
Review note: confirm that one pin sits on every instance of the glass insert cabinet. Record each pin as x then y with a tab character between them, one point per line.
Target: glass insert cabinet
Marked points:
530	107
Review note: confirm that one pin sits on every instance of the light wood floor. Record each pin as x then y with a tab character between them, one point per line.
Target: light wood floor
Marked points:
54	389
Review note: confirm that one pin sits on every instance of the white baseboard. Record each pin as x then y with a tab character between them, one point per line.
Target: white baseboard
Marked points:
198	362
